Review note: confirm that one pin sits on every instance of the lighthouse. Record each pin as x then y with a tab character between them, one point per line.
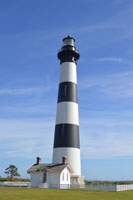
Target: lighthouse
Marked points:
65	170
66	136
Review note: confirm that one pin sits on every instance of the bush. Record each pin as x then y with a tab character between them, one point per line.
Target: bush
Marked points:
15	179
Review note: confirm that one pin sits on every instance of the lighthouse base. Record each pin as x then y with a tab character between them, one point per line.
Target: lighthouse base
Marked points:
77	181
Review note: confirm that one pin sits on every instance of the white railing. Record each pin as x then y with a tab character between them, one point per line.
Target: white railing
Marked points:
124	187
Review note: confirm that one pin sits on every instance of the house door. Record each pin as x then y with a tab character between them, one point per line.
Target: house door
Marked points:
44	177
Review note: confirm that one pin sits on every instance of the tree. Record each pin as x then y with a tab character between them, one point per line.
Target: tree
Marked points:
12	171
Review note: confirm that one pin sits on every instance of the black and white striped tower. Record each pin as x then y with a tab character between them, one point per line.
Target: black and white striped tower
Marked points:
66	139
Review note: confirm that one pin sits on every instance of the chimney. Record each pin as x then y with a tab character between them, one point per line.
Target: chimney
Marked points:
38	160
64	160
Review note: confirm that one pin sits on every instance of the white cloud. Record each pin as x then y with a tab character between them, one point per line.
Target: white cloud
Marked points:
112	59
93	27
26	138
107	145
23	108
25	91
106	135
24	128
119	85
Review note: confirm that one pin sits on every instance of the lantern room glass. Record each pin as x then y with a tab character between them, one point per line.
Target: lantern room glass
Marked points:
68	41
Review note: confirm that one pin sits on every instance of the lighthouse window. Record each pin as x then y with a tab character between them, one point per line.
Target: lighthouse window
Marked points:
62	130
64	90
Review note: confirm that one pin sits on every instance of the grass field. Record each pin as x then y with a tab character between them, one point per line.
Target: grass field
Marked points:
50	194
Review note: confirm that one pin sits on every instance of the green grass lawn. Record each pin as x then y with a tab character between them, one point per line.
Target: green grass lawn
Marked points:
50	194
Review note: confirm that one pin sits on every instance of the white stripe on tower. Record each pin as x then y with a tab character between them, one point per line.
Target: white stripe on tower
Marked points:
68	72
67	112
66	140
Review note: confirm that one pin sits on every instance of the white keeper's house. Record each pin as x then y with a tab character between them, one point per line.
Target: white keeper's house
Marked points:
50	175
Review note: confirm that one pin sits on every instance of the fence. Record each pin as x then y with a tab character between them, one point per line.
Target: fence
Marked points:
14	184
108	187
90	187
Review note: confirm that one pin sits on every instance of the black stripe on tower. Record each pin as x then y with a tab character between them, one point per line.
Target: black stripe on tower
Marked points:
66	135
67	92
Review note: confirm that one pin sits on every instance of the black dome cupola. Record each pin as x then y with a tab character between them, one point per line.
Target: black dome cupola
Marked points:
68	52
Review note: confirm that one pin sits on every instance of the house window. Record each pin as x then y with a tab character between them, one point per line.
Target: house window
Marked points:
63	176
67	176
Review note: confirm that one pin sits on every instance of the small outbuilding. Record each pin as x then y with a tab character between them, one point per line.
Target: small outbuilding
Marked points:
50	175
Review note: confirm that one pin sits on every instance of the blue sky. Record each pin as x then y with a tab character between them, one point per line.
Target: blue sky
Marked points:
31	34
